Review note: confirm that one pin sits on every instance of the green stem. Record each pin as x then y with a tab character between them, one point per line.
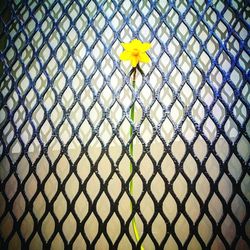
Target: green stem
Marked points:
131	151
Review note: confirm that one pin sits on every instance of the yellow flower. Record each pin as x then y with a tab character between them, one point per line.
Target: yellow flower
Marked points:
135	52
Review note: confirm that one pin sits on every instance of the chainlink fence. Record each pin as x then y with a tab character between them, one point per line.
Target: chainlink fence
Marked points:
64	124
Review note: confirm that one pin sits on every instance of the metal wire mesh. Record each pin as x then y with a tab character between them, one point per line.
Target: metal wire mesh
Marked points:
64	125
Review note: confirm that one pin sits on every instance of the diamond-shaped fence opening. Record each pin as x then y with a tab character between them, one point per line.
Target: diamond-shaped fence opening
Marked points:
65	98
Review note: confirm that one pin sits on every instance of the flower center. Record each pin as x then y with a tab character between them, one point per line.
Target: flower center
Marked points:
135	52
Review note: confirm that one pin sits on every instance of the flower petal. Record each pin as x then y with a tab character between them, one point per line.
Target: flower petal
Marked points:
125	55
145	47
126	46
135	52
134	61
144	58
136	44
